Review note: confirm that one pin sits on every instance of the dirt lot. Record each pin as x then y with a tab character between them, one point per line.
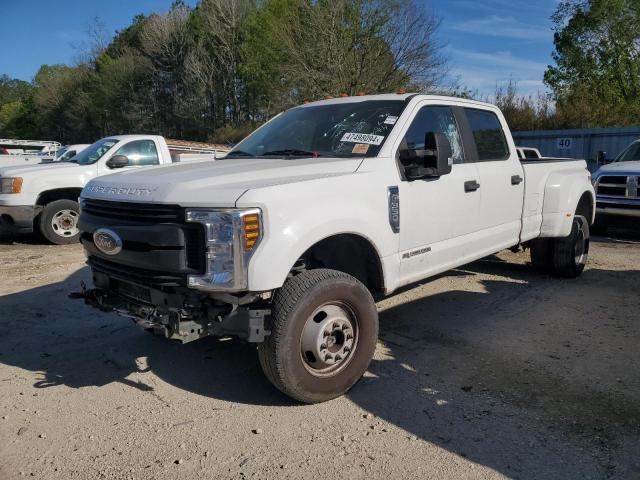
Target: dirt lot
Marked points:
490	371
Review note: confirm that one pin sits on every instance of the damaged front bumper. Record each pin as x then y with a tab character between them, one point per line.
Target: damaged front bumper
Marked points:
169	315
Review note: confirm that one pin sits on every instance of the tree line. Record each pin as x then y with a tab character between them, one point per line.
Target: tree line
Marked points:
216	71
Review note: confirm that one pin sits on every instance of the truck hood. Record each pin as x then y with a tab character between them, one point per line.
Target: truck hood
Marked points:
620	168
213	184
39	169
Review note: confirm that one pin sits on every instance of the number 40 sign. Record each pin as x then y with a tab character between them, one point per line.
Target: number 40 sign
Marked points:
564	144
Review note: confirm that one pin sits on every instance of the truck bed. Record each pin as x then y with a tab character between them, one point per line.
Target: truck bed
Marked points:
541	193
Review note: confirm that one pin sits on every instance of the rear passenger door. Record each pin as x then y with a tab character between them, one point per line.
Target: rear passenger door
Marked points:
501	180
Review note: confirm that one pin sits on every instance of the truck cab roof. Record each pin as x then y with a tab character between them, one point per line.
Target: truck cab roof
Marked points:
396	96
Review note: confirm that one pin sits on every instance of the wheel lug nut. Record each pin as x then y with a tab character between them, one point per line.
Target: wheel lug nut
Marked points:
349	337
323	347
325	334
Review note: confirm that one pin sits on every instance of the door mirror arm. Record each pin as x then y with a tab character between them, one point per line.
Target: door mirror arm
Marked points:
416	173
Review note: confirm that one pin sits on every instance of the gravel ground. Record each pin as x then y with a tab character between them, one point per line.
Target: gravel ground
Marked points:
490	371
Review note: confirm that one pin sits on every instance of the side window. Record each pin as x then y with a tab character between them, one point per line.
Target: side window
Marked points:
436	120
488	135
140	152
67	155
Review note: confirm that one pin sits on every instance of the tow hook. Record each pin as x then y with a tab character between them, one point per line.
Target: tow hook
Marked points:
96	298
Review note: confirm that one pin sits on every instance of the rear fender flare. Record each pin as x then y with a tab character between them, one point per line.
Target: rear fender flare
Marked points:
562	194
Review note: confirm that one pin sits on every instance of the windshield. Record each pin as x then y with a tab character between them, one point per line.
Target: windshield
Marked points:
60	153
353	129
632	153
93	152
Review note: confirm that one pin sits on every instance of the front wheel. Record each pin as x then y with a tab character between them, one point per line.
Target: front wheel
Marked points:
58	222
571	253
324	329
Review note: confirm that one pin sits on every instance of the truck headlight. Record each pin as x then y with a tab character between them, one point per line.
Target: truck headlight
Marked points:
232	236
11	185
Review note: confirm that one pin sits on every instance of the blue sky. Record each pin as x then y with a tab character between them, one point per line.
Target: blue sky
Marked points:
491	41
487	41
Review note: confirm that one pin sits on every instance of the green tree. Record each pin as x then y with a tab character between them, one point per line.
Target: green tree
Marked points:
302	49
12	89
596	79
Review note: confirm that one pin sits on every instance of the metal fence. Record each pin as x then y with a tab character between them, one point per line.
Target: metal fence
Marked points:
583	143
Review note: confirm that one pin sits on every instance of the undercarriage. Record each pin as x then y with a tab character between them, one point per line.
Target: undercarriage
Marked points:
179	316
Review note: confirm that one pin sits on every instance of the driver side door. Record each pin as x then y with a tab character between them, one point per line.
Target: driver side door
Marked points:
437	215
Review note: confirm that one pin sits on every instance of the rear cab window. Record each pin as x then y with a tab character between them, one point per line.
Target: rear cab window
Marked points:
488	135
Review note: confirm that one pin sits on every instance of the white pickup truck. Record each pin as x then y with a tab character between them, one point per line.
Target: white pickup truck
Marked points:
27	152
286	241
62	154
45	196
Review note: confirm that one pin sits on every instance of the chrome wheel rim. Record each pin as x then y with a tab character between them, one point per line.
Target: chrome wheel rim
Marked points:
580	246
65	223
329	339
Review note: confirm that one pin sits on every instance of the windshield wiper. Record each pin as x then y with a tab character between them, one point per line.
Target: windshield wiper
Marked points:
239	153
292	152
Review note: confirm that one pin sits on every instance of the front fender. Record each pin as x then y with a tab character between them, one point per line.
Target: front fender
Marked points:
308	212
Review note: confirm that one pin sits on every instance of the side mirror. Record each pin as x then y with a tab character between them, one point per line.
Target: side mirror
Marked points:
602	158
433	161
118	161
443	153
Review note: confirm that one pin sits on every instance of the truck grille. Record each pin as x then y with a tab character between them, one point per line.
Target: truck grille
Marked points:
618	186
196	247
133	212
126	217
151	278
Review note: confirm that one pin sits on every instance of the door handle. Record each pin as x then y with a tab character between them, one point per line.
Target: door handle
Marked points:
516	180
471	186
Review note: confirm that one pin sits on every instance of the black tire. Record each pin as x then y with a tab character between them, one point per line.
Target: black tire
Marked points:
571	253
55	231
294	304
542	252
601	224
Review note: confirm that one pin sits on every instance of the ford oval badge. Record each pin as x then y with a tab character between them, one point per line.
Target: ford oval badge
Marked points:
107	241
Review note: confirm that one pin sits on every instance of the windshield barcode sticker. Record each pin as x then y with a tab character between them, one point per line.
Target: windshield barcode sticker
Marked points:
362	138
